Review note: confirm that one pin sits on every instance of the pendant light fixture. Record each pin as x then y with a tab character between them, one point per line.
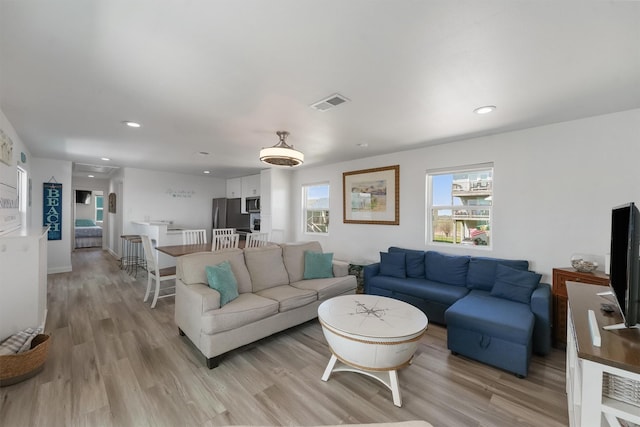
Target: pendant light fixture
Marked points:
281	154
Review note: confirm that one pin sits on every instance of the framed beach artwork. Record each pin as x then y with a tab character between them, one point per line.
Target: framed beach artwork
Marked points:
6	148
372	196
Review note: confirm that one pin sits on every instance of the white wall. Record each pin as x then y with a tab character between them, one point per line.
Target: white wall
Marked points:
58	251
114	220
554	187
183	199
8	173
40	171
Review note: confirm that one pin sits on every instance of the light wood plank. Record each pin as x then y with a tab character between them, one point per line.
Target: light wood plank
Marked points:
114	361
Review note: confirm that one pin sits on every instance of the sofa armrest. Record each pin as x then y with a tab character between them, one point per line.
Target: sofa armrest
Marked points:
340	268
368	272
191	302
541	309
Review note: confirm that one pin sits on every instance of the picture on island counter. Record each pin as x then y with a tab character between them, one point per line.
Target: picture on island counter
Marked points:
372	196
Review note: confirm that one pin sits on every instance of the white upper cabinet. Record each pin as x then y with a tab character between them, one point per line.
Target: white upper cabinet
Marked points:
250	186
234	188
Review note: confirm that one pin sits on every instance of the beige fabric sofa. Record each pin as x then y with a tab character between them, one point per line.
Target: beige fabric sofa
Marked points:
273	295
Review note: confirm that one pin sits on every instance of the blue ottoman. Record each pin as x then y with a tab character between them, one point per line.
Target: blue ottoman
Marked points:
492	330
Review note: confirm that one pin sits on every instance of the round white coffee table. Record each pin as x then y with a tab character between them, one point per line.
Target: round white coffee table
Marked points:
371	335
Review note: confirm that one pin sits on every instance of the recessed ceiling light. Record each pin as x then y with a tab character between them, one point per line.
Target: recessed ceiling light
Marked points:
91	176
132	124
485	110
363	144
106	159
206	172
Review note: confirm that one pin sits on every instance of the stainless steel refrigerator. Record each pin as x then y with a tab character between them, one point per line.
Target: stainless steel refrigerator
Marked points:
226	214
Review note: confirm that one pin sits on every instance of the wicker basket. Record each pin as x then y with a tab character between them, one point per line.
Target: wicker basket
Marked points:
619	388
18	367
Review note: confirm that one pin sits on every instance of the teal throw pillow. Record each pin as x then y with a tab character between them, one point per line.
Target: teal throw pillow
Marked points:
318	265
85	223
221	279
515	285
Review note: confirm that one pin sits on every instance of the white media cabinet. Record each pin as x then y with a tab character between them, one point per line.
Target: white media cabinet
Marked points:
616	360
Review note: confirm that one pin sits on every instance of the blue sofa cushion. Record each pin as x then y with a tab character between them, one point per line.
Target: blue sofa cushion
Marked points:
421	288
448	269
414	261
490	316
482	271
515	285
393	264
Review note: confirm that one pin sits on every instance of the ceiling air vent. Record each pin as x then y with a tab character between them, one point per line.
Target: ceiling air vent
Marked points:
330	102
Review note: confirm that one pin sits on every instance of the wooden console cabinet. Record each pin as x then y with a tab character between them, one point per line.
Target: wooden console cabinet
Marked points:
560	278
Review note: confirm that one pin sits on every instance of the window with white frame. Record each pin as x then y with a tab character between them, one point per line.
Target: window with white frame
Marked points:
99	199
315	199
459	205
22	189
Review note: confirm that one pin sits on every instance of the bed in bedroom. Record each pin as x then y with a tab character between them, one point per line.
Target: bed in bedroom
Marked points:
88	234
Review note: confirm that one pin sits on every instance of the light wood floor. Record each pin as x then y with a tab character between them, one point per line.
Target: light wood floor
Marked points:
116	362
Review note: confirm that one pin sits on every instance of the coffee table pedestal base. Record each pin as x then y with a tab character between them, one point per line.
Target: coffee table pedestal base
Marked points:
388	378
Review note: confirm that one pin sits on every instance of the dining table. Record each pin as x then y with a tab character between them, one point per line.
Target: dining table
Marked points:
180	250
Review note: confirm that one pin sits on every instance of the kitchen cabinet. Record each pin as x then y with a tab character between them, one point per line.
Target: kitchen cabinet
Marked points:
249	187
275	203
234	188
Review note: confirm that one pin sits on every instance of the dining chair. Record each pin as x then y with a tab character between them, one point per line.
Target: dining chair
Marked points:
156	274
194	237
255	240
222	231
225	241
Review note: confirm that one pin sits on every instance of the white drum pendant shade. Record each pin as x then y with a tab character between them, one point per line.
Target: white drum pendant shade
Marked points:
281	154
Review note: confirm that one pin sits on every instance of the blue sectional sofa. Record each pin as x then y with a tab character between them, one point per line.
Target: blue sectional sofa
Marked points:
496	310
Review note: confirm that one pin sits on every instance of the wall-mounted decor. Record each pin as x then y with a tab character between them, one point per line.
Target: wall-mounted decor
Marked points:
372	196
6	148
52	209
9	212
112	202
180	194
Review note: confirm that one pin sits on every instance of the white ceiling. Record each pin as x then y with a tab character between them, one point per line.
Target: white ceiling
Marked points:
224	76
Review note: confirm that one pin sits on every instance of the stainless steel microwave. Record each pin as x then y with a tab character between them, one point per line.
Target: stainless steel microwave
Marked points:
253	204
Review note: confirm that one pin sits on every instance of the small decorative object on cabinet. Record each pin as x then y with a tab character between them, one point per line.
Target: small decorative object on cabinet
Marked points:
584	263
560	278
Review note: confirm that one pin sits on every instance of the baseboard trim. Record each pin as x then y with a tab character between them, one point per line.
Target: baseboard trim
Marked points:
56	270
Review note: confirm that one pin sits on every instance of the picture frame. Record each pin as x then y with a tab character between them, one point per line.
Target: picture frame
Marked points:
372	196
112	203
6	149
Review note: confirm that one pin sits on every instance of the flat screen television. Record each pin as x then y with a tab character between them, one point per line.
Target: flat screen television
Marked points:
624	274
83	196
